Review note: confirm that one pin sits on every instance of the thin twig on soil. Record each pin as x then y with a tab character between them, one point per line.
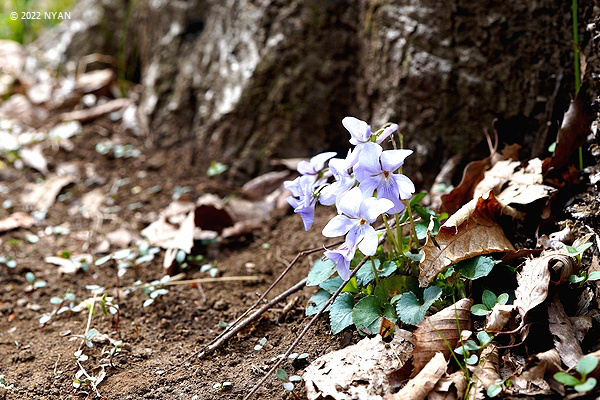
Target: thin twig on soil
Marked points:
261	298
221	339
309	325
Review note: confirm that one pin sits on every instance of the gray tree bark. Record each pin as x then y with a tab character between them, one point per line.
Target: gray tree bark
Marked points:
244	81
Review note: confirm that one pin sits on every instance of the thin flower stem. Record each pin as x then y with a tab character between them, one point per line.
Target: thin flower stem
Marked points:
395	247
374	270
399	234
413	231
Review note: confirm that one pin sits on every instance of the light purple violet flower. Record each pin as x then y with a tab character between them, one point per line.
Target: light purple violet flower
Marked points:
361	133
302	198
342	257
316	164
375	170
332	193
360	214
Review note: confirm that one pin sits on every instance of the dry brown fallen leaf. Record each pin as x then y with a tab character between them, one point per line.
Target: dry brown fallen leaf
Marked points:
534	279
358	371
572	133
419	387
449	387
525	185
565	342
42	196
513	184
543	366
463	193
16	220
470	232
437	331
261	186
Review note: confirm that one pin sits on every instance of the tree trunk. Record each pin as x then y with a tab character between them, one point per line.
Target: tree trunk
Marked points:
245	81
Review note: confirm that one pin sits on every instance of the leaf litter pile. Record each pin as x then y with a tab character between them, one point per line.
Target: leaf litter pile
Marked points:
124	278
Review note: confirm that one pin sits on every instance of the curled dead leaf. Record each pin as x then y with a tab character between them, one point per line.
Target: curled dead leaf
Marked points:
534	279
470	232
419	386
435	331
449	387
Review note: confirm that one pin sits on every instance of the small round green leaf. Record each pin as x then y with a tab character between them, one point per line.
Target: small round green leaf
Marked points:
494	390
472	360
488	299
566	379
282	375
587	364
502	299
479	309
594	276
586	386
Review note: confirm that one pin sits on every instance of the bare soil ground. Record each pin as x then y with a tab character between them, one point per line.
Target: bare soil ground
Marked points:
39	361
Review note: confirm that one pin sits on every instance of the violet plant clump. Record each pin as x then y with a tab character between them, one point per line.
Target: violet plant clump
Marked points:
365	186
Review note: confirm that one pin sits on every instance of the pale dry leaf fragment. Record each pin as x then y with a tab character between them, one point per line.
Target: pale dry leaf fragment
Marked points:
496	177
565	342
16	220
419	387
525	185
33	158
159	233
71	265
449	387
500	316
487	373
357	371
42	196
120	238
535	277
470	232
438	331
183	240
95	80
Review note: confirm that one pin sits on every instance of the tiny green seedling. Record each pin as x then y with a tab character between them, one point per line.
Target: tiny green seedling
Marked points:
216	168
288	381
468	348
79	356
577	252
585	366
489	300
211	269
585	277
495	389
261	344
156	289
5	385
33	283
8	261
223	386
88	337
